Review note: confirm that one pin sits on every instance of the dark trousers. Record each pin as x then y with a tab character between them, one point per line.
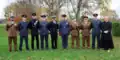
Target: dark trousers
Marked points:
65	41
21	42
37	41
14	39
93	40
44	38
54	40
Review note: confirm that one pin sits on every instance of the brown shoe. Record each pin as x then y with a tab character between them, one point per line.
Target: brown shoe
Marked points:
10	50
83	47
88	47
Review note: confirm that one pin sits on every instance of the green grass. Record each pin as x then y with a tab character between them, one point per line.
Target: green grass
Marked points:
59	54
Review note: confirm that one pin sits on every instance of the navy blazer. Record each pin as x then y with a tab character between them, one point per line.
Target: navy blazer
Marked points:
23	28
96	27
64	27
53	27
43	28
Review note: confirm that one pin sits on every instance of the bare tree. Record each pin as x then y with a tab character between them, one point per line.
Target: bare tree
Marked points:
19	8
105	8
81	7
75	8
53	6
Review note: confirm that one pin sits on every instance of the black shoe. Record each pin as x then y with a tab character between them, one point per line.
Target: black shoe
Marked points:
47	48
20	49
32	49
42	48
93	48
28	50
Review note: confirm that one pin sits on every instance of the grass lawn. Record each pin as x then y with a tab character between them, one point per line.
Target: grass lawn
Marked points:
59	54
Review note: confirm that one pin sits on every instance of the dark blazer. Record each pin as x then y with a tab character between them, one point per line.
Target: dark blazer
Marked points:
43	27
53	27
96	26
34	26
64	27
23	28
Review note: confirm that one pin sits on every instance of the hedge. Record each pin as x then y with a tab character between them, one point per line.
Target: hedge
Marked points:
116	29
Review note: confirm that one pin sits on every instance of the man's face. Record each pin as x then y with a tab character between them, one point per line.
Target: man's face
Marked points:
106	19
85	19
12	19
95	16
24	19
63	18
53	19
43	18
34	17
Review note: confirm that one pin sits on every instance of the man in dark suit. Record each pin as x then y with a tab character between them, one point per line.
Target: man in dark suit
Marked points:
95	31
53	28
44	31
34	26
23	31
64	30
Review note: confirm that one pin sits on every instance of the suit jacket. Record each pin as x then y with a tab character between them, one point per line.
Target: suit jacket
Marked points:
23	28
34	26
96	26
43	27
106	26
53	27
12	30
64	27
74	29
86	28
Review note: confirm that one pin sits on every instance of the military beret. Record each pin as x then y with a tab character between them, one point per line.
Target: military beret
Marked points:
64	15
33	14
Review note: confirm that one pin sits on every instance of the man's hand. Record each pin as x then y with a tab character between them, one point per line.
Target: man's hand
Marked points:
60	33
15	24
106	31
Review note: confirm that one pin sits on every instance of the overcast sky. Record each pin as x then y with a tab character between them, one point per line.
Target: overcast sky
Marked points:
116	6
3	3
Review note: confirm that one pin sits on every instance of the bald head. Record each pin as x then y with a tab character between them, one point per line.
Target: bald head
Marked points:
106	18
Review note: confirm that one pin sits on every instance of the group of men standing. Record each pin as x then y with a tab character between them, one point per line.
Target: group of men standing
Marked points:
65	27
